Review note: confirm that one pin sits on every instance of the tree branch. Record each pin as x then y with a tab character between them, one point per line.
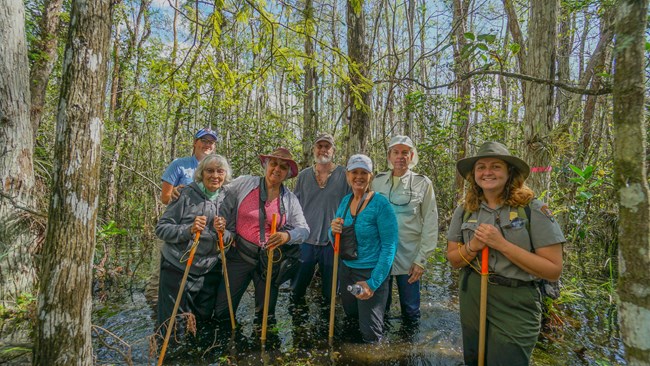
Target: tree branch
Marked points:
556	83
21	207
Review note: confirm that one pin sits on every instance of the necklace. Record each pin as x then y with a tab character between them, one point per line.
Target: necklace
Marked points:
322	179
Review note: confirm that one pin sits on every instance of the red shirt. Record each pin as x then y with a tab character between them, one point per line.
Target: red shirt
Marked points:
248	217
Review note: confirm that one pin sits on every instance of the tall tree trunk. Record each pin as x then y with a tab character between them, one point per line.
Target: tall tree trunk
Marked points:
631	180
538	98
464	88
518	38
42	68
17	269
410	25
65	302
360	86
563	64
310	124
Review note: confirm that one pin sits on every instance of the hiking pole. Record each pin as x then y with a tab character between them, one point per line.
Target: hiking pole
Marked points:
337	241
269	271
225	275
483	306
178	298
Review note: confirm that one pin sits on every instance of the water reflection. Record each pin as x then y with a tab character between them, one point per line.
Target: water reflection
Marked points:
589	335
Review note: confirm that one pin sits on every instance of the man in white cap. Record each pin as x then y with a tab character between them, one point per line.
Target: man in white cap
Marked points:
319	189
413	200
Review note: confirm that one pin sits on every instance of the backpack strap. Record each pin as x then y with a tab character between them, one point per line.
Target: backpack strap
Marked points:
525	213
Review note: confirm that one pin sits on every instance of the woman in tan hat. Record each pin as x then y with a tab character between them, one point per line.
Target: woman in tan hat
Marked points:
249	205
525	245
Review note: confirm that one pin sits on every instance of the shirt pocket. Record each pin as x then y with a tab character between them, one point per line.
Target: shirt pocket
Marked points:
516	233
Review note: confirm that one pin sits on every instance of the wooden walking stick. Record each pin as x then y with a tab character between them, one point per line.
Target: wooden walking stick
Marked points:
483	306
337	241
269	272
225	275
163	350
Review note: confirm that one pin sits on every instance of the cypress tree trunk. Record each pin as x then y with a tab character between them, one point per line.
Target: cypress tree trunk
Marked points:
65	302
17	242
631	180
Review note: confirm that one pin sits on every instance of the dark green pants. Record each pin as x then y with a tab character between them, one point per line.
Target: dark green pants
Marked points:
512	326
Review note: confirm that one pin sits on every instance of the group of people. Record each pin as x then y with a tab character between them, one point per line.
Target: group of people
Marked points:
391	220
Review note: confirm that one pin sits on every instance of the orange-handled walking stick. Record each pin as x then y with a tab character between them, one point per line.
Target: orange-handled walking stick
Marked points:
225	275
483	306
269	272
163	350
337	242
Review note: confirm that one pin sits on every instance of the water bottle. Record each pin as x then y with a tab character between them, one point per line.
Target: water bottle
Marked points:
355	289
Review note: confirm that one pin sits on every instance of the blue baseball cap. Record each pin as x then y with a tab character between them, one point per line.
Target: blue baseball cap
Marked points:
360	161
205	132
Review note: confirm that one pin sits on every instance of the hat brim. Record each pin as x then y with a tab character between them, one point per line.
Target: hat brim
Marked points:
203	134
293	166
465	166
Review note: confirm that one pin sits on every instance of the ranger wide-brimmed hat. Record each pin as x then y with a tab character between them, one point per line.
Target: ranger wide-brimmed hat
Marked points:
282	154
404	140
492	149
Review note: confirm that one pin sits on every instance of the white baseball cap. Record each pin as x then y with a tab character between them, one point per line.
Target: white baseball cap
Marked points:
359	161
404	140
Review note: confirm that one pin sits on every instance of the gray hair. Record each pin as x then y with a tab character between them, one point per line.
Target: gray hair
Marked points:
221	163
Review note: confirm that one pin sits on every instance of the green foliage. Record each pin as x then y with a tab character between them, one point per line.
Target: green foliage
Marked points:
110	230
23	309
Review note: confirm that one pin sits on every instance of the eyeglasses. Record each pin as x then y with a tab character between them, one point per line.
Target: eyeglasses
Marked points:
390	192
208	141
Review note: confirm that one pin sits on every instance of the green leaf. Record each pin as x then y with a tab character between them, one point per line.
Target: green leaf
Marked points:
470	36
585	195
482	46
647	46
514	48
577	170
489	38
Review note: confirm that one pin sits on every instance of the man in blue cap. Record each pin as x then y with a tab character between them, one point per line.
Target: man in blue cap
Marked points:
180	172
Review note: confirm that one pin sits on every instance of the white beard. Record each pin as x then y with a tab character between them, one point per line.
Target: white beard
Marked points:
324	159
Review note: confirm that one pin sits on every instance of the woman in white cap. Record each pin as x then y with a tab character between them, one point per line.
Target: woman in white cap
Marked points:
367	224
525	245
249	205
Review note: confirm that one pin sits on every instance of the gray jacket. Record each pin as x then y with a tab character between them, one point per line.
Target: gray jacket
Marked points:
174	228
235	192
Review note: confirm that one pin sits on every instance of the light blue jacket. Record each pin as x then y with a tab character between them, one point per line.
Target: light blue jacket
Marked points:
376	232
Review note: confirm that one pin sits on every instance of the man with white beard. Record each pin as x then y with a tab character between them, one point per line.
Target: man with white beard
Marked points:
319	189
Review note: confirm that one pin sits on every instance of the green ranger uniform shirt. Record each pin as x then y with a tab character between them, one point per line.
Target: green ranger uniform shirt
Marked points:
414	203
544	231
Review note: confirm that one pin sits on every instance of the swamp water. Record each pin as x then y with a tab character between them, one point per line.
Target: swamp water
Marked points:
586	335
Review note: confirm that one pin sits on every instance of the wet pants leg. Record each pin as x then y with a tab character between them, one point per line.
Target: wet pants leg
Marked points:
512	326
240	274
369	312
198	295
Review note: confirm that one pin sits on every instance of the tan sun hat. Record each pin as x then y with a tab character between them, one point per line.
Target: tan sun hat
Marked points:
492	149
404	140
282	154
